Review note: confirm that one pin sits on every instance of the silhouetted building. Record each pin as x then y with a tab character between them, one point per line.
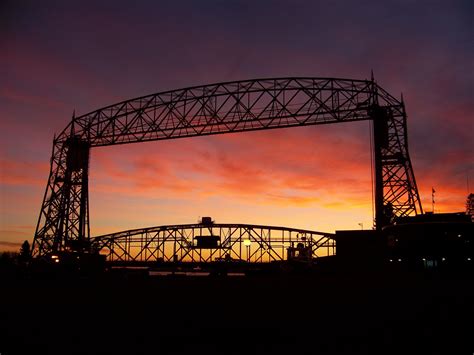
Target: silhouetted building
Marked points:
360	248
444	241
432	240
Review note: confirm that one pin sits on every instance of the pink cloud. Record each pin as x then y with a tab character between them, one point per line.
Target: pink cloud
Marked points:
14	172
265	166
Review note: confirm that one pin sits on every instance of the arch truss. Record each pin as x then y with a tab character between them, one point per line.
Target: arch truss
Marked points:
201	243
63	223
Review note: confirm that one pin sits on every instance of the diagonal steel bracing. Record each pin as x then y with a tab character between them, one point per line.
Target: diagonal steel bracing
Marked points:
177	243
220	108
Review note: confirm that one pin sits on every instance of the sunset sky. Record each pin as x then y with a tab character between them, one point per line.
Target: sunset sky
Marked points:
60	56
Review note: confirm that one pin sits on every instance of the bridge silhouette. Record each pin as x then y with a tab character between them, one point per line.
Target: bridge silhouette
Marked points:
211	242
249	105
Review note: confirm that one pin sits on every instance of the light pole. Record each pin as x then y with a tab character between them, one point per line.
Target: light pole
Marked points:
247	244
361	225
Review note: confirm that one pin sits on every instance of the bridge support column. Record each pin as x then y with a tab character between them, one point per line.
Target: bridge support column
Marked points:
76	195
380	117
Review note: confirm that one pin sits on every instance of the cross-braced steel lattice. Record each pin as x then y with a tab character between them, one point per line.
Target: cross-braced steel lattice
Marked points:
238	106
238	242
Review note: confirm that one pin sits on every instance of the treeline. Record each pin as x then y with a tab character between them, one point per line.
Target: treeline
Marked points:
14	263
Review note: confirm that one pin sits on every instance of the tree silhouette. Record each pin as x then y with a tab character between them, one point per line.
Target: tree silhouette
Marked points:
25	251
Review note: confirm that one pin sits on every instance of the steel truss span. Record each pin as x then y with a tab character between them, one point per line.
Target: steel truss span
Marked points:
220	108
200	243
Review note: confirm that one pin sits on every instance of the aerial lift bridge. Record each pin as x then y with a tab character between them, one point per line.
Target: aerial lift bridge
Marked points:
249	105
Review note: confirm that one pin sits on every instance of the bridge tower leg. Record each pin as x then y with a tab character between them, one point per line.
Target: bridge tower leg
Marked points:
396	194
383	214
75	213
63	224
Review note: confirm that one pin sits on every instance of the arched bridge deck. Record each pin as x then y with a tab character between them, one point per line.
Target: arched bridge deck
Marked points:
211	242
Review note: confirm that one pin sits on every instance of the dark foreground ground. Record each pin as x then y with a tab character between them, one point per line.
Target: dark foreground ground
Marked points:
345	314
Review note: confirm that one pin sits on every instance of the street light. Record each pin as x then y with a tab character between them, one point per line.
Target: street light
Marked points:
247	244
361	225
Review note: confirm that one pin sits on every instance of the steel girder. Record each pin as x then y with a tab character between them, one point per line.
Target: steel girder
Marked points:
177	243
216	109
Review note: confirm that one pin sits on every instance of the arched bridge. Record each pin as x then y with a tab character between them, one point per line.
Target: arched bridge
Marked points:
208	242
220	108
